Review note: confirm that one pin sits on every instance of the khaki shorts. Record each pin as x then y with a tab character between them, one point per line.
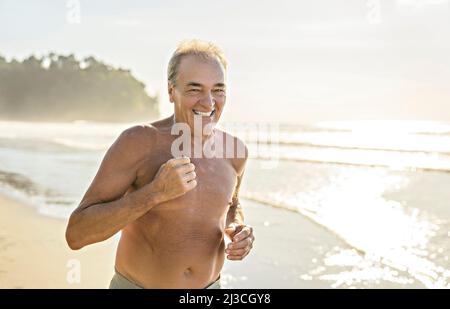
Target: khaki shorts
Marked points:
120	282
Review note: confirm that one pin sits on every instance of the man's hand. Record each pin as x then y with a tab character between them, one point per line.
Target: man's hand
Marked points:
242	241
174	178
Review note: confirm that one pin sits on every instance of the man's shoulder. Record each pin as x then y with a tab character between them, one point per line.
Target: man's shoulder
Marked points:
135	141
137	134
139	131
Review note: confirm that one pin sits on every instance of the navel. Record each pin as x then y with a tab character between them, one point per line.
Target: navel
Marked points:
188	272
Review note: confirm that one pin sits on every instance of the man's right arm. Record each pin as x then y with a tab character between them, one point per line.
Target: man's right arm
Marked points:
104	210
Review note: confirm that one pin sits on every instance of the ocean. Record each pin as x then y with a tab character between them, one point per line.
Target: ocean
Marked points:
381	187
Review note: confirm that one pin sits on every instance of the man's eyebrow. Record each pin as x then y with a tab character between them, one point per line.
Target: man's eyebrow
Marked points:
221	85
195	84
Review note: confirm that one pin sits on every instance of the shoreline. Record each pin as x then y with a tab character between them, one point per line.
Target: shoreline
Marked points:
34	253
288	253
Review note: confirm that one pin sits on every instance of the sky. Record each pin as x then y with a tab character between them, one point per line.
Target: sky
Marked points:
289	61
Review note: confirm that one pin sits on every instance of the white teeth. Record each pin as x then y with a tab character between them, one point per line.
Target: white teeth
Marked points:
204	114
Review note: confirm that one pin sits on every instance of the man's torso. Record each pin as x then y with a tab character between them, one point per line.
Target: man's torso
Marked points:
179	243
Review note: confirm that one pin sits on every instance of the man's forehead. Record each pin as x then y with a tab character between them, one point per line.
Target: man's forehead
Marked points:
198	59
196	69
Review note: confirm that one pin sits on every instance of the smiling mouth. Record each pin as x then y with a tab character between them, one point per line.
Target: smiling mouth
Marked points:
204	114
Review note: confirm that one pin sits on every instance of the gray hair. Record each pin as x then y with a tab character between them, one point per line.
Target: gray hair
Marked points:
205	50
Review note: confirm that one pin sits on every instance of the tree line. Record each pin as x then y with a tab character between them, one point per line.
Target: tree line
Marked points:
62	88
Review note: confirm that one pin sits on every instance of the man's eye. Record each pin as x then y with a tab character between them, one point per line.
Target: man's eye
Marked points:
219	90
193	90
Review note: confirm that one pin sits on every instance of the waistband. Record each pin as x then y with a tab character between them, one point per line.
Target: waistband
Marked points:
119	281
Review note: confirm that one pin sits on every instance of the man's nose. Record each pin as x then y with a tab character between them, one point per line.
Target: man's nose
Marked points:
208	101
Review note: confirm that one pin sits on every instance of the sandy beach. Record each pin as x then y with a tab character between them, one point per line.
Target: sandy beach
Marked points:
34	254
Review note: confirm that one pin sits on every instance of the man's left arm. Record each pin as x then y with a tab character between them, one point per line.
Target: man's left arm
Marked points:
241	235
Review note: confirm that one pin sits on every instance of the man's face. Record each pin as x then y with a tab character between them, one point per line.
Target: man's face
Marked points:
199	91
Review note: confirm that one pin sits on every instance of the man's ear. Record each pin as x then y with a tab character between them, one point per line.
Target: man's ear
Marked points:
170	89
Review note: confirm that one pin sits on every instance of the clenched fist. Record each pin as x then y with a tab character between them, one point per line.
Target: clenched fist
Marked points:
174	178
242	239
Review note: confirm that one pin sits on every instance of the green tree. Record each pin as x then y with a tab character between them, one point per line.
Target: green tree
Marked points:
58	87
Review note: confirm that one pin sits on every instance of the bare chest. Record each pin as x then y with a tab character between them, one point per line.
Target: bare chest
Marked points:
216	181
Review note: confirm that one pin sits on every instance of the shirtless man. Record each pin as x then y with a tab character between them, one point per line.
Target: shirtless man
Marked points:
173	211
